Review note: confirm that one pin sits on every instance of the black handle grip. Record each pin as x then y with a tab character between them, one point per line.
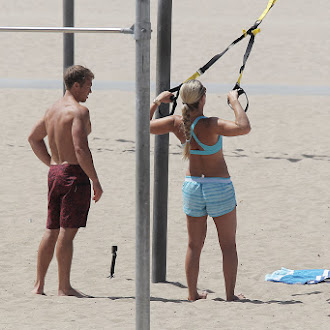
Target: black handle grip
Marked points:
240	91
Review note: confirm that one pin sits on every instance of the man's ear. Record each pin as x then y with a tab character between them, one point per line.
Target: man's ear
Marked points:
76	85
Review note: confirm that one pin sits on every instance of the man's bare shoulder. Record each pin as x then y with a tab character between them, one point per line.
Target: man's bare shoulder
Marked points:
81	116
66	111
81	112
71	107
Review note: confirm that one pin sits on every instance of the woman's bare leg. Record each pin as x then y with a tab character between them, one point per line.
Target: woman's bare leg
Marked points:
196	236
226	227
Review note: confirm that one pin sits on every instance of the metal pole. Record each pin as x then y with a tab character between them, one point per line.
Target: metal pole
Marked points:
68	38
163	71
65	29
142	34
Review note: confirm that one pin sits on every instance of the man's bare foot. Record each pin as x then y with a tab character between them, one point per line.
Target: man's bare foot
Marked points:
236	298
72	293
198	296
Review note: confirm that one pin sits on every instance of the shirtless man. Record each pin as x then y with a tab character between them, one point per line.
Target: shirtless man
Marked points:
67	125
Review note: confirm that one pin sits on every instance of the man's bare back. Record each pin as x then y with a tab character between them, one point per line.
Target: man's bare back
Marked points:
59	121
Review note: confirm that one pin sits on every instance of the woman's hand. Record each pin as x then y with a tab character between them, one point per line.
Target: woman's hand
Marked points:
232	96
164	97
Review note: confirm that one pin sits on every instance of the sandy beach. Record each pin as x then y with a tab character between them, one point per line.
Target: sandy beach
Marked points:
280	170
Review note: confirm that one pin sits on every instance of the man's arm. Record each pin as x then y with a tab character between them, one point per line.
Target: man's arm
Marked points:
36	140
82	151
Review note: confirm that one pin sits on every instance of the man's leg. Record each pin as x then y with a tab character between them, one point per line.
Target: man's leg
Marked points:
196	236
45	255
64	252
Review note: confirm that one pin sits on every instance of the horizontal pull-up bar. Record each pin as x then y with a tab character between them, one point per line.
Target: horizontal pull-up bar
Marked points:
66	29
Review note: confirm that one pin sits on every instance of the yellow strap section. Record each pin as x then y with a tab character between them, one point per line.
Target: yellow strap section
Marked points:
245	34
239	79
270	5
194	76
255	31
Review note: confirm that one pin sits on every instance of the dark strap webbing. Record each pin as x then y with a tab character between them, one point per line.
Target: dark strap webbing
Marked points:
252	31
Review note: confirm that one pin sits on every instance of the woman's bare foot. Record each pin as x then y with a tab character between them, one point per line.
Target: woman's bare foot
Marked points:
72	293
198	296
38	290
35	291
236	298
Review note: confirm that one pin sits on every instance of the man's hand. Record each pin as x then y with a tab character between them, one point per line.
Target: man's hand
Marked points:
98	191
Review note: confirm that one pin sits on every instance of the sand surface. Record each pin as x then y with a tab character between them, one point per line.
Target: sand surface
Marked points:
280	170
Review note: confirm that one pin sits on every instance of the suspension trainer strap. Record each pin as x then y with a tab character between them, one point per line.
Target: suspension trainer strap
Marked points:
252	31
237	86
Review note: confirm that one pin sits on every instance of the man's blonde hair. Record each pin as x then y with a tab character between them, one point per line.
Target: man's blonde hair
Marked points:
76	73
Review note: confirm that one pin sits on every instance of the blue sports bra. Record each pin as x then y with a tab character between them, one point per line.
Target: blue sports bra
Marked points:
208	150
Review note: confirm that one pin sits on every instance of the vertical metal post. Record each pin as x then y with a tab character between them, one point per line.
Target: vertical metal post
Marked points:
68	38
142	34
163	71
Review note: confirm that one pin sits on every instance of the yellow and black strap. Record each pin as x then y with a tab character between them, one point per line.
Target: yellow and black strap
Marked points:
252	31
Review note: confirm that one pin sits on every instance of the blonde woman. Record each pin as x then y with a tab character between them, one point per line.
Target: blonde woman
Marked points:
207	189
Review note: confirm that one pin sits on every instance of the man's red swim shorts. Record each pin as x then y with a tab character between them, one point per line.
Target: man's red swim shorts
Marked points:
69	196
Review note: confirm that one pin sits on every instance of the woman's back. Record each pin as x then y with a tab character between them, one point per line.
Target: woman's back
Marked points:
206	156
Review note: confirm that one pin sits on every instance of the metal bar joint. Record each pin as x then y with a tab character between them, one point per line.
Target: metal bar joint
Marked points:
142	30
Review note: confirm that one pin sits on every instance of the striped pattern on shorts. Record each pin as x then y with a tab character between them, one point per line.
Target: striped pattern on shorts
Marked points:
213	196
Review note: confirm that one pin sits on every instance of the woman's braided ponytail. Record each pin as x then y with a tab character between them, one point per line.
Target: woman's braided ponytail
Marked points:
191	93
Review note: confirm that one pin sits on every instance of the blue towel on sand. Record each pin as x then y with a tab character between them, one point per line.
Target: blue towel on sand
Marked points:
304	276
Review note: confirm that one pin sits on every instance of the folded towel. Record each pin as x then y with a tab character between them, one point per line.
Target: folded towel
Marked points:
303	276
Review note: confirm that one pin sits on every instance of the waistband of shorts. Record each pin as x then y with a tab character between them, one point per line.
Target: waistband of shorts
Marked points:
65	165
204	179
67	168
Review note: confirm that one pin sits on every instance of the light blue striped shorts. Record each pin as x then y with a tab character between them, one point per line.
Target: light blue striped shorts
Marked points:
208	195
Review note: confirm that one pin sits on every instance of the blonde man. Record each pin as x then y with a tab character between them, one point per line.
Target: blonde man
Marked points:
67	126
